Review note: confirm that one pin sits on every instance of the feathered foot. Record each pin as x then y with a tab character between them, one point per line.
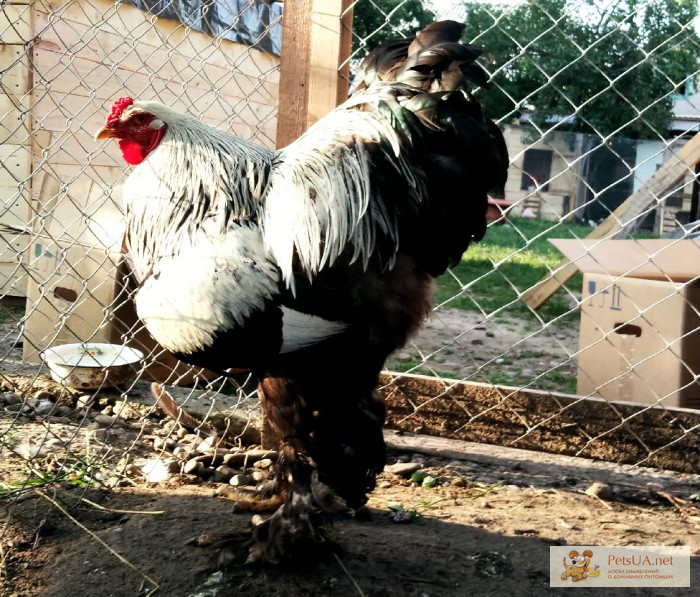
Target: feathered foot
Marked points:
298	522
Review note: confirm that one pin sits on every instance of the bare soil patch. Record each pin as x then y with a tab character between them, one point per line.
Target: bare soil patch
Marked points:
83	518
464	345
484	527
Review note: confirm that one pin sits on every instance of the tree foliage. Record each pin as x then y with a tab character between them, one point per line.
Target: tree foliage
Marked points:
377	21
601	66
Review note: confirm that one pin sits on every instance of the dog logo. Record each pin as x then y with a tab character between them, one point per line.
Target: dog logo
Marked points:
578	566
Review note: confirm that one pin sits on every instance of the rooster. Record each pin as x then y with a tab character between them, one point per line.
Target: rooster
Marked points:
309	265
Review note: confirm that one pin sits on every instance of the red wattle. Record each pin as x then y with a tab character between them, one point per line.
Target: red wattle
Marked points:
133	152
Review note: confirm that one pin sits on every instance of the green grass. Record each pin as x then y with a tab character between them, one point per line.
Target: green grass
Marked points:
510	259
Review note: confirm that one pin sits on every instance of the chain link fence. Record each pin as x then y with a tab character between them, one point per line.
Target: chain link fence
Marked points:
599	105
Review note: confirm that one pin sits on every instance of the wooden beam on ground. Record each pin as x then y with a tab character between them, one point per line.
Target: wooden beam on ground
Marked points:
666	177
316	40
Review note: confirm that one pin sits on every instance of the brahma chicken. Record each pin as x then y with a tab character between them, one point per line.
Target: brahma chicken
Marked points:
311	264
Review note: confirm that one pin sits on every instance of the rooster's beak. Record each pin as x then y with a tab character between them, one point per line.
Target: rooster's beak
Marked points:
105	133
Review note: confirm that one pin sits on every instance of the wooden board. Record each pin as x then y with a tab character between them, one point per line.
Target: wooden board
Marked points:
15	24
15	172
666	177
543	421
166	49
13	273
316	38
14	119
294	71
14	65
86	62
331	39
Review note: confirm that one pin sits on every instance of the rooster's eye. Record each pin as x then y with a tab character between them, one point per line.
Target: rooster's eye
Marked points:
140	118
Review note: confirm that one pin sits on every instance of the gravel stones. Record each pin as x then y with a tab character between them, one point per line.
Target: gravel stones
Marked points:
403	469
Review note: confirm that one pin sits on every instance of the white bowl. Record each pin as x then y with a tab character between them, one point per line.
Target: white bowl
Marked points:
90	365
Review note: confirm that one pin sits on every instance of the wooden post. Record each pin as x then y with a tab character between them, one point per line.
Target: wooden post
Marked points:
668	175
316	40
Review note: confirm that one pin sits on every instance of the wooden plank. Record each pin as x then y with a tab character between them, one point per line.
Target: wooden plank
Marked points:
15	171
666	177
15	24
543	421
106	52
331	33
107	23
294	71
111	50
14	120
15	164
72	81
14	65
316	38
13	274
57	106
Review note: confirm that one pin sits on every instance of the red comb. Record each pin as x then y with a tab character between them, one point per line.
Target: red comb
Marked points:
117	108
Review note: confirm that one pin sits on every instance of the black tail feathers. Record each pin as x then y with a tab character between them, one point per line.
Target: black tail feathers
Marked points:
433	60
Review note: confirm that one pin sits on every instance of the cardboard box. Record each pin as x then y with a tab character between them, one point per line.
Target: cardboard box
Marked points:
639	341
639	338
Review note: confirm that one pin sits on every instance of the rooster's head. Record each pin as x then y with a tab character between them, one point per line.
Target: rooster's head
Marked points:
138	130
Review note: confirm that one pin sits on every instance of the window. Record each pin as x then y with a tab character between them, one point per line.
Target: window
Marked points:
537	169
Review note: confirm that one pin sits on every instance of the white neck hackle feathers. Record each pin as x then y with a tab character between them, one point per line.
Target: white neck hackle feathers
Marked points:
313	199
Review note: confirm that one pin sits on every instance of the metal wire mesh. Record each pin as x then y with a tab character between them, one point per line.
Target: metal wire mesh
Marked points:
594	152
598	369
63	64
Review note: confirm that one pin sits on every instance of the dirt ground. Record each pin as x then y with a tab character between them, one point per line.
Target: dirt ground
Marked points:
473	537
481	518
465	345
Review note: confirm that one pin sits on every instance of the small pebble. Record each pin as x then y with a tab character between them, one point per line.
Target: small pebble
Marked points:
193	467
600	490
181	452
43	407
104	420
263	463
84	402
249	457
207	444
168	444
18	407
223	474
258	476
403	469
241	480
11	398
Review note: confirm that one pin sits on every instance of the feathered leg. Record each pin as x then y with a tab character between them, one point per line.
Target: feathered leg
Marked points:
332	450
